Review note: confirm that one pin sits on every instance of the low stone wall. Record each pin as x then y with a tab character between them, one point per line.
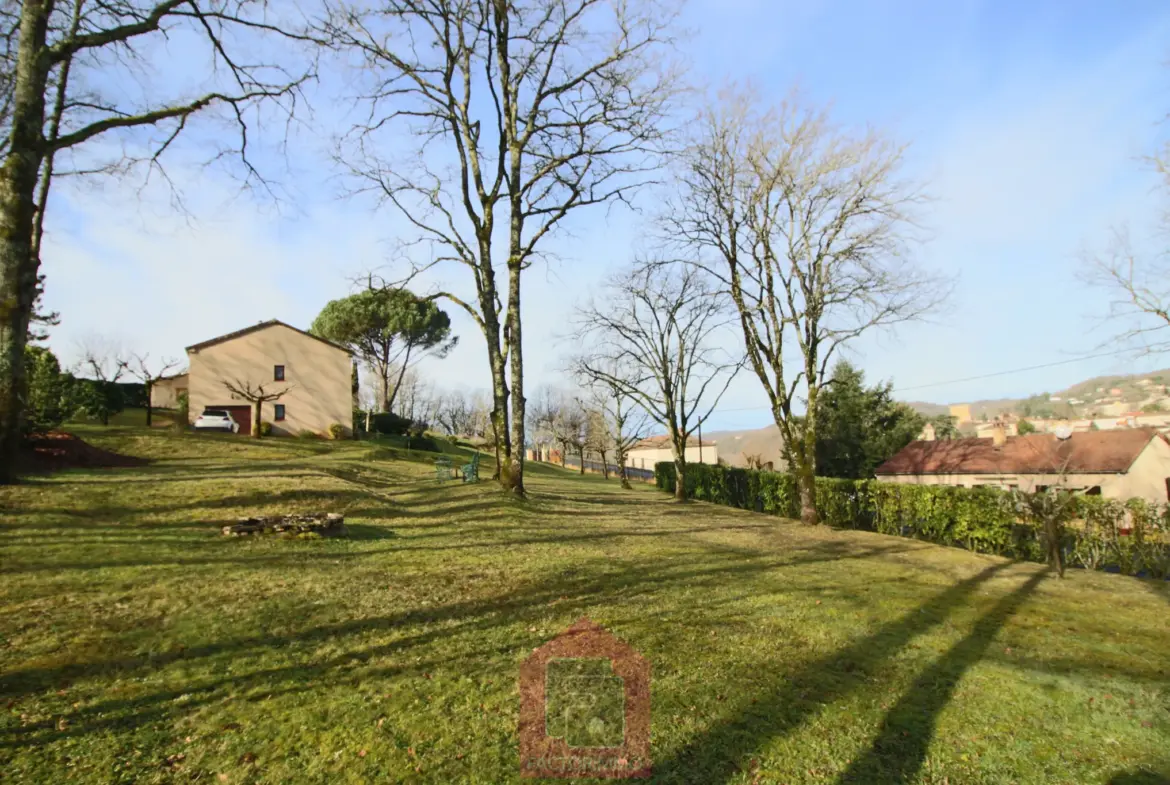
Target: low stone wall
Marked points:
319	524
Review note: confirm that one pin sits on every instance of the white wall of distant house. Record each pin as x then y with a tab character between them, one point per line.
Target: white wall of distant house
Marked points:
1148	478
646	458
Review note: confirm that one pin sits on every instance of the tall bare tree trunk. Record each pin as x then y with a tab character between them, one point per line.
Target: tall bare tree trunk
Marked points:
514	454
680	482
148	386
807	473
1055	557
18	263
500	395
257	406
389	397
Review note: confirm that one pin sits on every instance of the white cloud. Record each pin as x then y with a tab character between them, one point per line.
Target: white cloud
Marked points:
123	264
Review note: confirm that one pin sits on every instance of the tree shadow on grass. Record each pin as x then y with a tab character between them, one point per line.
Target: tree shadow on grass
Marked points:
901	745
365	531
1141	777
574	592
718	753
1159	588
415	628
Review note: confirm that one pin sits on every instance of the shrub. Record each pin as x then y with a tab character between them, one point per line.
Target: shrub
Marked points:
183	413
98	399
423	443
265	428
337	431
44	393
306	433
1131	537
389	424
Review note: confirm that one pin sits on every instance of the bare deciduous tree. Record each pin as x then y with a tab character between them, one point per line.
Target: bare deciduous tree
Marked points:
627	422
1051	506
525	112
77	73
102	358
542	410
454	413
598	438
138	366
1137	282
257	395
567	426
654	340
807	228
103	362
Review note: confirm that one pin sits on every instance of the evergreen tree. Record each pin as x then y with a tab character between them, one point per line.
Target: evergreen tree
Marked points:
859	427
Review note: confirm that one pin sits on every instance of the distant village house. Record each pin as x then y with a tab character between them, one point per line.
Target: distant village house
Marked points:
1118	464
654	449
316	373
164	394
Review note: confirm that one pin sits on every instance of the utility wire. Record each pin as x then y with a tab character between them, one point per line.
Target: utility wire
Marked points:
1014	370
967	378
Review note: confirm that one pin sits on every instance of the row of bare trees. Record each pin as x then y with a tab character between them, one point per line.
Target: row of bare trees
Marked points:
599	422
785	237
104	361
653	336
808	229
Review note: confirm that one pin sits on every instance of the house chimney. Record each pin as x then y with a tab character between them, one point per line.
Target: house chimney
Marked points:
928	432
998	433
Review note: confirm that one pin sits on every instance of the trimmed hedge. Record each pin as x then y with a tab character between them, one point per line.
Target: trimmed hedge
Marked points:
1131	537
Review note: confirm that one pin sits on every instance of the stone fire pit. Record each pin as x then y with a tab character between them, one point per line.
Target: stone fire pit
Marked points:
321	524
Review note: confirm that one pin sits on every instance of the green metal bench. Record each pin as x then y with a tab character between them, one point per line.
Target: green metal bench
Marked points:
443	469
471	470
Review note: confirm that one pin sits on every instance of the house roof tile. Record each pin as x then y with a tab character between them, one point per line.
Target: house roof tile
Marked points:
261	326
663	442
1088	452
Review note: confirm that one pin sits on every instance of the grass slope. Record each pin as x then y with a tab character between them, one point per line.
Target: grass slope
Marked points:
140	646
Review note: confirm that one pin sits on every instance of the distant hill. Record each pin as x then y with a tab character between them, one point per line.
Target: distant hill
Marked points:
991	406
1088	394
734	446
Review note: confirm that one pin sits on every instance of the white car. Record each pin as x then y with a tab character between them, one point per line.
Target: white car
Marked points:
216	420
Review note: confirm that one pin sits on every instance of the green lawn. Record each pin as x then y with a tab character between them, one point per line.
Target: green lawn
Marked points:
138	645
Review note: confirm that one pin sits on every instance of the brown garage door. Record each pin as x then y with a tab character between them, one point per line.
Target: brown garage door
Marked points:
241	414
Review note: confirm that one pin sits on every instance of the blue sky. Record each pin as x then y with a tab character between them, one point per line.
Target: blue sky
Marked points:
1026	120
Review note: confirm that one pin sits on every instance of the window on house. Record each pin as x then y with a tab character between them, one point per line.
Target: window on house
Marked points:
1168	488
278	373
279	409
1094	491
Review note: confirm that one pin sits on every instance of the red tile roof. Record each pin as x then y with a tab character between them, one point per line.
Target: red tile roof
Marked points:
1089	452
261	326
663	443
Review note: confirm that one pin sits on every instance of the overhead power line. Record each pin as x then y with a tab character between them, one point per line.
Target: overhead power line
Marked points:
994	374
1013	370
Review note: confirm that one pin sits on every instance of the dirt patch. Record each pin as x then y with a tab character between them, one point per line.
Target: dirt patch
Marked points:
56	450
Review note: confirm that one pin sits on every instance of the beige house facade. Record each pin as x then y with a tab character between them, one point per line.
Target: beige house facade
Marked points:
314	374
1118	464
164	394
655	449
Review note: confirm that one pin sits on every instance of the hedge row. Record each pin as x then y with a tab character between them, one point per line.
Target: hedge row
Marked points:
1131	537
